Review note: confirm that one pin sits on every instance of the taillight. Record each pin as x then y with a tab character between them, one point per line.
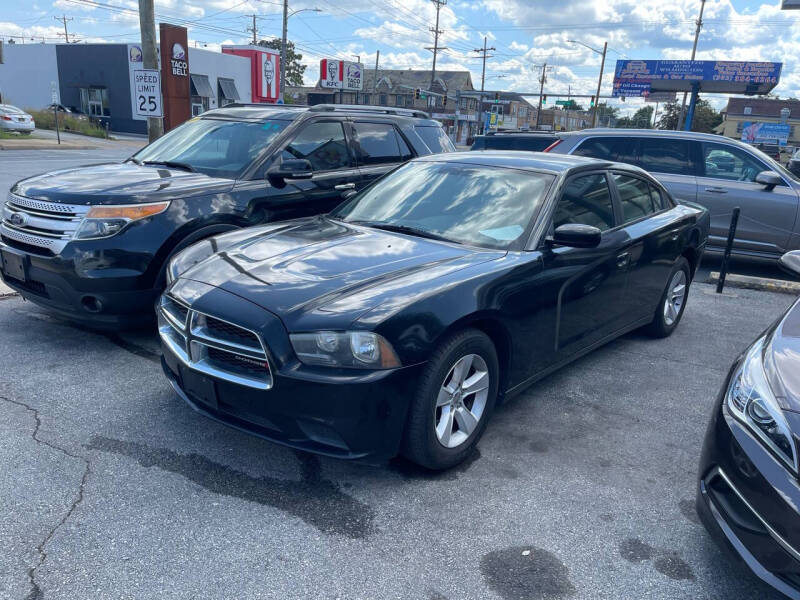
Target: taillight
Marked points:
5	118
553	145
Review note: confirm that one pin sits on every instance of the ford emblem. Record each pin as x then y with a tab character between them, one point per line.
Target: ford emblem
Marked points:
18	219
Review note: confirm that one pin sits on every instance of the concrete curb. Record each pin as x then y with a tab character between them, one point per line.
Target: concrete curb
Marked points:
47	146
757	283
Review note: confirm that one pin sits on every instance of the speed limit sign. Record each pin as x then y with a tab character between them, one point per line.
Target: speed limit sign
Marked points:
147	93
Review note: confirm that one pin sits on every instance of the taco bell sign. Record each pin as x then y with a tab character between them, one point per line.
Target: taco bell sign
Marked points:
341	74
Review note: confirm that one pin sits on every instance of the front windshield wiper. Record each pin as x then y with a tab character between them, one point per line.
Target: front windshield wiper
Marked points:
133	159
405	229
171	163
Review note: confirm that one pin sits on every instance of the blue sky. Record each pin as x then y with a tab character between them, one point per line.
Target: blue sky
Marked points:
526	33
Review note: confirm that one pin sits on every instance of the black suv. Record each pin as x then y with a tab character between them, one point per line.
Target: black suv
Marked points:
92	243
514	140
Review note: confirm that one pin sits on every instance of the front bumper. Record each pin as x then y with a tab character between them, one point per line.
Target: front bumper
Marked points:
749	502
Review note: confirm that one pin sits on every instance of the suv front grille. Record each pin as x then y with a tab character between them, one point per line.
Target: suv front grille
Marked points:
213	346
45	225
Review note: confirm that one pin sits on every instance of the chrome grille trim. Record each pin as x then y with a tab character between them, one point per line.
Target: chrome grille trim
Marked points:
190	342
49	225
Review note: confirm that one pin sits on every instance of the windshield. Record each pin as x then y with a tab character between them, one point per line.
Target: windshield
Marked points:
215	147
470	204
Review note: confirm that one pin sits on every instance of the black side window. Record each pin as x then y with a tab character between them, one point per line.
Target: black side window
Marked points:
322	144
586	200
664	155
377	144
636	197
723	161
437	141
618	149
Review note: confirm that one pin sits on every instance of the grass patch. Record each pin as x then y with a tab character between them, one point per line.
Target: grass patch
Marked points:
7	135
45	119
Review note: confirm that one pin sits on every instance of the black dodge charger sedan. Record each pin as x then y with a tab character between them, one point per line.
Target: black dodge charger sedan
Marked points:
749	494
397	322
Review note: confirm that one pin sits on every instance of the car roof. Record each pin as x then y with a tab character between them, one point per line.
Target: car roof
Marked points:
689	135
520	134
288	112
521	159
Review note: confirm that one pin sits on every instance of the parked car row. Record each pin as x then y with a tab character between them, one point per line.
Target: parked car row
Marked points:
336	279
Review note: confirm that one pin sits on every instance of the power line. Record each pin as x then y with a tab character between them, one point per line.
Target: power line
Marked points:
436	31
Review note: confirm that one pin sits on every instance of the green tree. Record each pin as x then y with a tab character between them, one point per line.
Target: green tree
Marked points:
706	118
641	119
294	68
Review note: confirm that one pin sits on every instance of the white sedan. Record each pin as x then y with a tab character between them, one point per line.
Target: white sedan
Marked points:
14	119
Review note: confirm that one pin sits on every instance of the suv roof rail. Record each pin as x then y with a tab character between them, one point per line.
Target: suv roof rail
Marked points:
403	112
261	105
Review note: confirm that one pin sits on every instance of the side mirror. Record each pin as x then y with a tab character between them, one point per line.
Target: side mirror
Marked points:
293	168
769	179
790	262
576	235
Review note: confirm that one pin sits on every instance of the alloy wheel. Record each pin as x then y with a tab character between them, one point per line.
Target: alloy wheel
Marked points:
676	296
461	401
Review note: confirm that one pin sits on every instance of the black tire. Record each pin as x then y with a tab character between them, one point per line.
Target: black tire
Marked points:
420	442
661	326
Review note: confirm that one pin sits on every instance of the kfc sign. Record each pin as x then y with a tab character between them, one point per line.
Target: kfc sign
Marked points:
341	75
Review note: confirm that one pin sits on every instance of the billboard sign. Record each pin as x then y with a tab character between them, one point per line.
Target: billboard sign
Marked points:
641	77
765	133
341	74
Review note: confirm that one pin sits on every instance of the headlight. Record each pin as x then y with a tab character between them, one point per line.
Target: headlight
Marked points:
105	221
187	258
359	349
751	400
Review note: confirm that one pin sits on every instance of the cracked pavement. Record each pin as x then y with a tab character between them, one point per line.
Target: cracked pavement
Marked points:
583	487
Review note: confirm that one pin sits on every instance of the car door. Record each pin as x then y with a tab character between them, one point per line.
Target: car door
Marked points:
591	280
728	180
379	147
672	162
653	242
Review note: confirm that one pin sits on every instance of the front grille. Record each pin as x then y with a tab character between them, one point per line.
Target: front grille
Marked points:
34	287
213	346
47	225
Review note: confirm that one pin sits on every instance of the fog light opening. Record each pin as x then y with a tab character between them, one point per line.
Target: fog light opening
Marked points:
91	304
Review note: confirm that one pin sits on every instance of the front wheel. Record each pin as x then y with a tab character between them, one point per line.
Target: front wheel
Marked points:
455	399
673	301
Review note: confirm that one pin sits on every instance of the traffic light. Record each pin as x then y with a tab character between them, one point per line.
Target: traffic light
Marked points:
497	96
544	99
591	102
444	100
417	94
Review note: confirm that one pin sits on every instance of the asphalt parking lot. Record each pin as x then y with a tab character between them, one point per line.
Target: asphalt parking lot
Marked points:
582	488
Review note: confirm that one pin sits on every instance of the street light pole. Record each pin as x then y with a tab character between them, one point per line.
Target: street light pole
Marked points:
694	52
286	15
599	79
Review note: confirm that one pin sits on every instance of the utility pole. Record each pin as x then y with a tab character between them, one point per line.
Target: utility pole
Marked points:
699	24
542	81
436	31
375	79
599	85
147	25
254	30
484	51
284	32
63	19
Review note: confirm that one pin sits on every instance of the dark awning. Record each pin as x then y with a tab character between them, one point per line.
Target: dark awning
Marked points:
228	88
201	86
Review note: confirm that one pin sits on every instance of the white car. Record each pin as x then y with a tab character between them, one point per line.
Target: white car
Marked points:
14	119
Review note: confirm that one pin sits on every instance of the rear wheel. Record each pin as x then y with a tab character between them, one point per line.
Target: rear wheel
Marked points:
673	301
455	399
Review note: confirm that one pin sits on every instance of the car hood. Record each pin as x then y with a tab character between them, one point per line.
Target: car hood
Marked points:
782	358
118	183
314	265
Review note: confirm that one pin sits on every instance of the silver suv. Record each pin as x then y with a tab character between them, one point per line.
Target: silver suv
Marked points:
716	172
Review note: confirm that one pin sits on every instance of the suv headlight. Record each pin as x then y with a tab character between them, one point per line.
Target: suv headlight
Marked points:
358	349
187	258
751	400
105	221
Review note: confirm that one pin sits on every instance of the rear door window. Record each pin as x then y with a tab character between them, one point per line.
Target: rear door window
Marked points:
618	149
435	138
665	155
378	143
586	200
636	197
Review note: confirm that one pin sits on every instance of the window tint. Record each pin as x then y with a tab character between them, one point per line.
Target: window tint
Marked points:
721	161
376	143
636	197
531	143
435	139
664	155
659	200
586	200
322	144
618	149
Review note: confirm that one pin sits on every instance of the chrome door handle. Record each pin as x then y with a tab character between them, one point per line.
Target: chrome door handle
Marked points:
345	186
716	190
622	259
